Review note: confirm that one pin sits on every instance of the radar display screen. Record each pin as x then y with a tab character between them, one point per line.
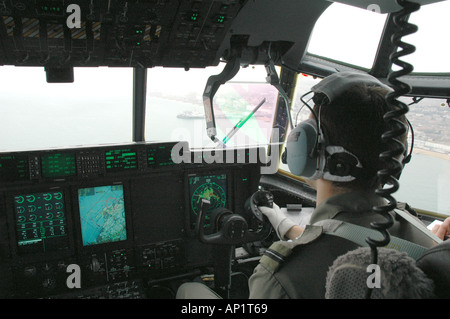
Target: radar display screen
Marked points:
14	168
102	214
41	223
121	160
58	165
209	187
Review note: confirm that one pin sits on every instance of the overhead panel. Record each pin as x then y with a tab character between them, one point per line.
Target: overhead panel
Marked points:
146	33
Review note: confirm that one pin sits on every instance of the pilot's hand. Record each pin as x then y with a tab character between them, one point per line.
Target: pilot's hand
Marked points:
442	230
279	221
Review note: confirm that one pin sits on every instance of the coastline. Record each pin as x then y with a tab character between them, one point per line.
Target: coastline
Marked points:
431	153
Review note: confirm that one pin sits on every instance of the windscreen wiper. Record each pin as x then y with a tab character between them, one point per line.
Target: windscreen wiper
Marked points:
213	84
273	79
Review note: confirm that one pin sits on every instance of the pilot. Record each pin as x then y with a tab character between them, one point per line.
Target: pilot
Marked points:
349	109
347	120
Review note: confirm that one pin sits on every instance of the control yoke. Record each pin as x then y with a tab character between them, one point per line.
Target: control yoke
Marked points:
235	228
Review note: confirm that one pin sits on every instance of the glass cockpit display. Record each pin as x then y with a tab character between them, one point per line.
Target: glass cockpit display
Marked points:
210	187
121	160
14	168
41	224
58	165
102	214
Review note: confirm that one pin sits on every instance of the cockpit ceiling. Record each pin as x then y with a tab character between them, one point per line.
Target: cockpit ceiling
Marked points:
381	6
172	33
169	33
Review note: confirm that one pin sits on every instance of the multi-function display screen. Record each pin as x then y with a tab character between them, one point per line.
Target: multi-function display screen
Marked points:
58	165
102	214
158	156
14	168
210	187
41	223
120	160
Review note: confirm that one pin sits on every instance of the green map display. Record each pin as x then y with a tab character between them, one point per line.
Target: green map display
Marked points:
102	214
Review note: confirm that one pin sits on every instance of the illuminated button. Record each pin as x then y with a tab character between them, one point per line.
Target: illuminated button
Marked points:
220	18
31	208
193	16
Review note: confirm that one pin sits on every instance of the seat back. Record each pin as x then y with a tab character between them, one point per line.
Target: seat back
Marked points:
435	263
399	277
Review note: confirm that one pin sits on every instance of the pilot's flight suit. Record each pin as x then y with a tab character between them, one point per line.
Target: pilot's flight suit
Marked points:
298	269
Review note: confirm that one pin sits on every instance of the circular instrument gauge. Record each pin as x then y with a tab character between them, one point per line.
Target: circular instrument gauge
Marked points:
209	191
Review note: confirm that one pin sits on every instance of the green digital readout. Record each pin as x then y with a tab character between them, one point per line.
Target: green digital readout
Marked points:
159	156
120	160
13	168
58	165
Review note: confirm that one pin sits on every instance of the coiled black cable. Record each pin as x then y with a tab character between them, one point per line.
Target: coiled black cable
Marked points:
395	147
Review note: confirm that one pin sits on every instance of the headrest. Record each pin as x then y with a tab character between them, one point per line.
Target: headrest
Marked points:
435	263
400	277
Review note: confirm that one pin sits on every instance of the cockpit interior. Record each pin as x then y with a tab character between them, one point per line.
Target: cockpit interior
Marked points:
135	218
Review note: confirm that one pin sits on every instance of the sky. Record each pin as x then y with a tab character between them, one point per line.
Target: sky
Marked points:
350	34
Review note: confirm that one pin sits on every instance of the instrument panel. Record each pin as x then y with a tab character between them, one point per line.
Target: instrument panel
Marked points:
122	214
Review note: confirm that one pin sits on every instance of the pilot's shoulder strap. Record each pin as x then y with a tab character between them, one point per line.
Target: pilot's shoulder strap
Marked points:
359	234
278	252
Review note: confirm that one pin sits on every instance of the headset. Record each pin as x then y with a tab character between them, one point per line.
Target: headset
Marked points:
308	152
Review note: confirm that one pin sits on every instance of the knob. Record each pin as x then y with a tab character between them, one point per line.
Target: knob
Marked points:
95	265
49	283
29	271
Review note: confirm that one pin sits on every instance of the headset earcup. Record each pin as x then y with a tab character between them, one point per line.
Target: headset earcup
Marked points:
301	157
